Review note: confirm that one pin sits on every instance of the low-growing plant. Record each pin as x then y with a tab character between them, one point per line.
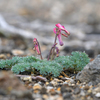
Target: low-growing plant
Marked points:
77	61
55	66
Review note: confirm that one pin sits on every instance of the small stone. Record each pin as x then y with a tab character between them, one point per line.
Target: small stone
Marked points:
54	82
49	87
47	83
96	90
27	78
59	98
84	83
29	86
86	87
69	80
89	91
41	83
52	92
77	90
43	90
50	84
2	56
65	88
98	95
60	76
36	91
37	87
45	97
73	85
65	83
67	95
59	88
38	99
9	55
82	93
17	52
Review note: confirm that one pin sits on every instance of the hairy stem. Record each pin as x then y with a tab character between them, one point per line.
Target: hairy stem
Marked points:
49	54
40	50
51	50
52	57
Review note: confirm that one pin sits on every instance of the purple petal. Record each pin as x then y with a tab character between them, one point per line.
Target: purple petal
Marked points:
62	28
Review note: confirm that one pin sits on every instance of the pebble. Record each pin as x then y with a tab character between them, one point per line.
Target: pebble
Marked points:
2	56
49	87
98	95
77	90
65	83
27	78
36	96
89	91
38	99
82	93
47	83
59	98
37	87
52	92
96	90
45	97
65	88
29	86
67	96
43	90
50	84
69	80
54	82
17	52
41	83
86	87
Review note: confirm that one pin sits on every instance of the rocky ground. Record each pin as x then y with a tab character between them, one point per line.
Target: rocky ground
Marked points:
36	19
82	86
21	22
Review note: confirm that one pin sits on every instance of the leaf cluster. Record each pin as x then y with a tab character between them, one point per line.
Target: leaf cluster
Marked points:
77	61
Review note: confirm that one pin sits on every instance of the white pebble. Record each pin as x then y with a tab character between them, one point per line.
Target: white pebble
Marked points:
97	95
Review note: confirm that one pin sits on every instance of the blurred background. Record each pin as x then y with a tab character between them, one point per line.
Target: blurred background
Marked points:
23	20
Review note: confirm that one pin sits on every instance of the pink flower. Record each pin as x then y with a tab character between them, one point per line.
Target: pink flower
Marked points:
36	47
62	28
58	30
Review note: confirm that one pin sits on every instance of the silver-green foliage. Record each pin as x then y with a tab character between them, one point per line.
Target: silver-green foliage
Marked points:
17	60
76	61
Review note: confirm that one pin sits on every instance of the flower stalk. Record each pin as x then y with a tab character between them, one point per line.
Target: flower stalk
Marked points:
57	30
51	51
37	47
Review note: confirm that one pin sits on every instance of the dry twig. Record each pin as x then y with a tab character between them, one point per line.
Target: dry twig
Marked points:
34	77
